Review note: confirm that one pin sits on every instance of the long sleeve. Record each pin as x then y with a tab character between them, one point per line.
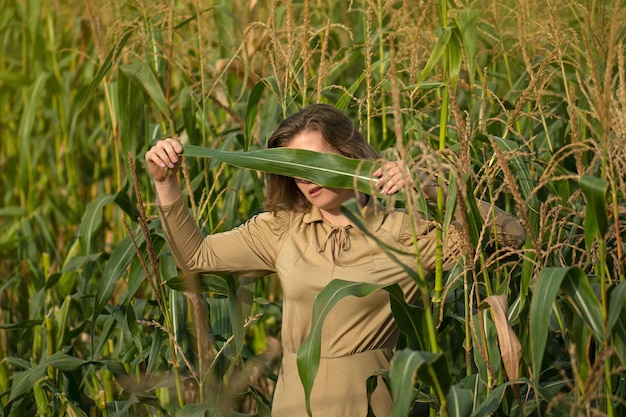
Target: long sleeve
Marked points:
249	249
508	231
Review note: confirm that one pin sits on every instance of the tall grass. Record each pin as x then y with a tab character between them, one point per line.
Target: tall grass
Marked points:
520	103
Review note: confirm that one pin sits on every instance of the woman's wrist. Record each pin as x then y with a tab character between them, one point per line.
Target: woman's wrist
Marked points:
167	190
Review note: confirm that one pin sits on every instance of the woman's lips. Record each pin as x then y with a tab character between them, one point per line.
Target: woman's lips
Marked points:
315	191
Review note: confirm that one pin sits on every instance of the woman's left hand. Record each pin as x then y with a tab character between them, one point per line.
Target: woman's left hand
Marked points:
392	177
395	175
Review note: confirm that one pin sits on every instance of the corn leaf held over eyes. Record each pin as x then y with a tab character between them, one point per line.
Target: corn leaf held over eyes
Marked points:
325	169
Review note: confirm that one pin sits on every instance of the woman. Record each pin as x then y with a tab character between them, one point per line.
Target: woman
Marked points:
305	239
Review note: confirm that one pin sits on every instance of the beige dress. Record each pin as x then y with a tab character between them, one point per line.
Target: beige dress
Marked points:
306	252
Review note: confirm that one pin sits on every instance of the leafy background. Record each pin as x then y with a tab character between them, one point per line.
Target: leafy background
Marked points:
521	103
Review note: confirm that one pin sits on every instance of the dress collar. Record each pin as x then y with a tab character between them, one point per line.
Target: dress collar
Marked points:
373	213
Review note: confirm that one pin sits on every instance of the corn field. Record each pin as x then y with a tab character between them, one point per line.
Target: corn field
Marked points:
521	103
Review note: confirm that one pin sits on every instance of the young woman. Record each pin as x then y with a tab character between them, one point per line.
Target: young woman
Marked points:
305	239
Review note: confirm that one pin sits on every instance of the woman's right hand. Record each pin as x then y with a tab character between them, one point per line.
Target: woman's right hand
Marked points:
164	159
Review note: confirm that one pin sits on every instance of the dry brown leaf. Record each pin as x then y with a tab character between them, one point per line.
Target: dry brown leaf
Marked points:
510	347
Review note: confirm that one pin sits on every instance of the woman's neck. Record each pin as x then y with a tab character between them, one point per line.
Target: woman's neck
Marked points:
337	218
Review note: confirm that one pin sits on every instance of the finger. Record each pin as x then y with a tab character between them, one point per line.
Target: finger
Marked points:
175	144
168	151
173	149
158	157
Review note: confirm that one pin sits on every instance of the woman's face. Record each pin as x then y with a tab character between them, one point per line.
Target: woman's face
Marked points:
326	199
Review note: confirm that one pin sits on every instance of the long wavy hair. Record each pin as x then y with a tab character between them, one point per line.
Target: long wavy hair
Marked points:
339	133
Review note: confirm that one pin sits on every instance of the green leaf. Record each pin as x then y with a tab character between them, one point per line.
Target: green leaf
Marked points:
436	54
577	286
346	97
118	263
308	357
92	220
87	94
550	281
26	324
468	24
408	317
487	407
200	410
142	75
460	401
204	283
16	78
617	301
129	111
189	114
24	381
548	285
406	365
325	169
596	218
455	56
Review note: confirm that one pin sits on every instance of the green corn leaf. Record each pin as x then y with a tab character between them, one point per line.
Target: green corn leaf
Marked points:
325	169
468	24
406	365
550	281
436	54
346	97
455	56
155	349
129	111
109	326
26	324
188	104
92	220
408	317
596	218
493	400
548	285
86	94
308	357
578	287
460	401
14	78
137	275
24	381
142	75
204	283
117	265
27	122
201	409
618	300
133	328
618	332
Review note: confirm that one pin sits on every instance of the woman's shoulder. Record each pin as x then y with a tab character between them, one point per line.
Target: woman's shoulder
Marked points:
277	224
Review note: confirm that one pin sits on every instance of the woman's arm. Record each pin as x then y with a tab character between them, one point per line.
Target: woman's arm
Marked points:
249	249
507	231
163	161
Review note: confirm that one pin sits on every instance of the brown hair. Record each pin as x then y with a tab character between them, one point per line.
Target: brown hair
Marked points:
339	133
